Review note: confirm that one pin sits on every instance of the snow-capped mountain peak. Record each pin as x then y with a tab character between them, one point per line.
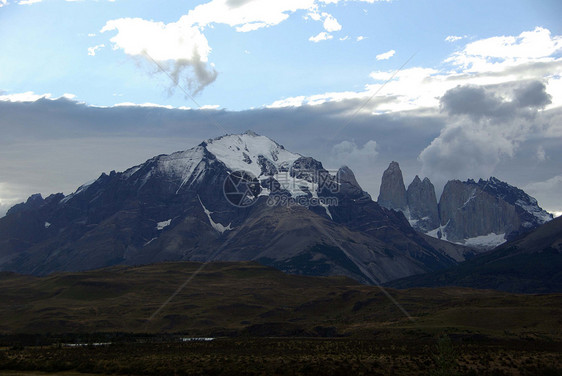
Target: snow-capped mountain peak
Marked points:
251	152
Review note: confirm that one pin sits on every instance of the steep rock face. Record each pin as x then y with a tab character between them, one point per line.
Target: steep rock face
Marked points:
424	214
349	185
487	213
467	211
530	214
418	203
392	193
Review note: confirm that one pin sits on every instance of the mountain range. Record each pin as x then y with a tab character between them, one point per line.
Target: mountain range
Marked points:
244	197
233	198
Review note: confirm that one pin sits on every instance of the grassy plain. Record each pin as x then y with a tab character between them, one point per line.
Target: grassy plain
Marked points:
267	322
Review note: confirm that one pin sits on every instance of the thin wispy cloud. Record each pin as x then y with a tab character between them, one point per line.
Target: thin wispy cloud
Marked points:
386	55
28	2
454	38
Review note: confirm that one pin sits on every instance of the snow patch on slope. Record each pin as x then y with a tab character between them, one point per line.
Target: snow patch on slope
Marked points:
327	208
415	221
150	241
472	196
217	226
162	225
489	241
483	242
439	232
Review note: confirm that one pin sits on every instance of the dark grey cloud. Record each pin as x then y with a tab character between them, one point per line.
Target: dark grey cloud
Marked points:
487	127
237	3
40	139
465	152
49	146
191	75
471	100
483	102
533	95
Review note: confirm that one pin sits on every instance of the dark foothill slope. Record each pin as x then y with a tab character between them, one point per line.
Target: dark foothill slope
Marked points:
531	263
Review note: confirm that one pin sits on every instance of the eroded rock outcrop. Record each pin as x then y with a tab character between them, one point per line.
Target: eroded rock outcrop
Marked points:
479	214
422	204
392	194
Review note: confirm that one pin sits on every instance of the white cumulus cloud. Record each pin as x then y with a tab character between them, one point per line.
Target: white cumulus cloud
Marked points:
320	37
499	53
289	102
28	96
173	41
181	48
330	23
419	87
245	15
92	50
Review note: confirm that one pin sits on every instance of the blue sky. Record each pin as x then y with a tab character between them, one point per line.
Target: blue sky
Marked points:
314	67
45	47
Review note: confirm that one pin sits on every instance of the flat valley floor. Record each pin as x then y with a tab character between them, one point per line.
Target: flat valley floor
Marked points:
291	356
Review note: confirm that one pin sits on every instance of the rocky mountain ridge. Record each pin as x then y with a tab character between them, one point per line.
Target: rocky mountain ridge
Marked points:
479	214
